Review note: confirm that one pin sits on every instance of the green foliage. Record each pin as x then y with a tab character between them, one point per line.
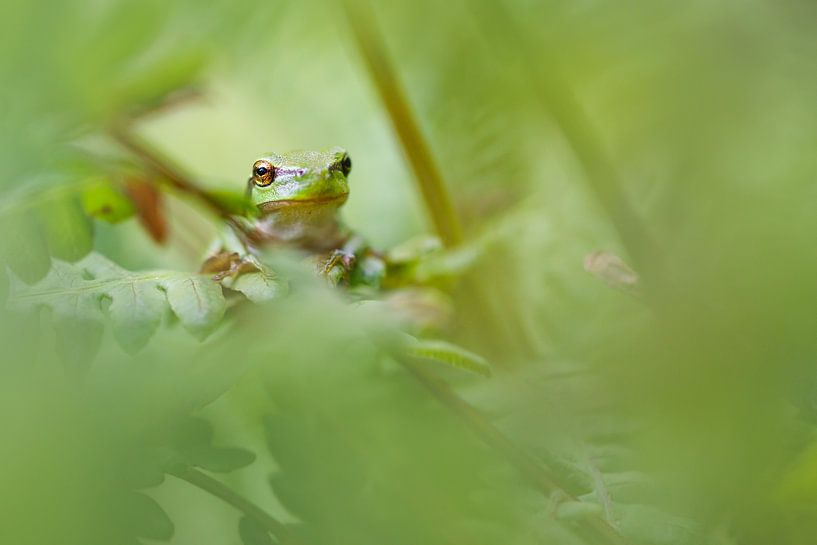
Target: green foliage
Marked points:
102	201
193	441
679	137
253	533
82	297
146	518
448	354
35	228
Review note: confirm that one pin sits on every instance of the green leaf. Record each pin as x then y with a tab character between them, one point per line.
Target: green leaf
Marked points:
577	510
23	247
648	524
219	459
253	533
447	353
258	287
197	300
136	302
145	518
144	468
193	432
68	231
102	201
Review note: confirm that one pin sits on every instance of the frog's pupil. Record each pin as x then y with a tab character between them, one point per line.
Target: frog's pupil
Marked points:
261	171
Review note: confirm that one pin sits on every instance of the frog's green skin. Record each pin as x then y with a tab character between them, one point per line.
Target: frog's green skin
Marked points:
298	195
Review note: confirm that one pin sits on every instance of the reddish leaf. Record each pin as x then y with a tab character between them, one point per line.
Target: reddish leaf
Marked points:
149	207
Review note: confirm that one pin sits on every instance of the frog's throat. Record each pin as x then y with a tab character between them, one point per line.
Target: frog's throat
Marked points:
332	201
309	224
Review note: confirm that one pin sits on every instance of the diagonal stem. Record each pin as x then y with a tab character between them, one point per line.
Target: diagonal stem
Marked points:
426	171
558	99
163	167
220	490
543	479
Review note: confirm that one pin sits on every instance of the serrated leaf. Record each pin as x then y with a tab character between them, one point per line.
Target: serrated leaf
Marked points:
197	301
258	287
447	353
76	295
146	518
102	201
253	533
219	459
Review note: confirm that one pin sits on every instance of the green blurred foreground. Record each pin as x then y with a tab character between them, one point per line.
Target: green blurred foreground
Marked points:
680	410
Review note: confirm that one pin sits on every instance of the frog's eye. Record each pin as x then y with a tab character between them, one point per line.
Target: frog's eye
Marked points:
346	165
263	173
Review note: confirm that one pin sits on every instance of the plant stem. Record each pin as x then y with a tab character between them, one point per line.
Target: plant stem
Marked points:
427	173
559	101
162	166
203	481
543	479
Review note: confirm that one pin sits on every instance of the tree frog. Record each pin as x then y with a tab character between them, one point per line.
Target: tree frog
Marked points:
298	195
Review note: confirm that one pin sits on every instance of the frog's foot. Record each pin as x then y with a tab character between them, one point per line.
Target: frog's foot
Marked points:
228	264
338	266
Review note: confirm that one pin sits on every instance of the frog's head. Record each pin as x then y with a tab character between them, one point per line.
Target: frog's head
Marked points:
300	179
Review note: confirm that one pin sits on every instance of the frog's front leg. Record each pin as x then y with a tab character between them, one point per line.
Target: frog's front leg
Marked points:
353	264
337	267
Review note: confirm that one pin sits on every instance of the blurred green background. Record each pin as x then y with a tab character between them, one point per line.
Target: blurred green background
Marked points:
678	136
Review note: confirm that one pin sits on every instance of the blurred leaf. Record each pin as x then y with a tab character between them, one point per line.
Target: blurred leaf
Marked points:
193	439
258	287
253	533
149	83
137	301
219	459
448	354
23	247
149	203
102	201
574	510
648	524
146	518
144	469
192	431
68	231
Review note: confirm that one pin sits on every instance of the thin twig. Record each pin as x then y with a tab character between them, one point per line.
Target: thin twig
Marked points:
162	166
228	495
416	149
543	479
426	171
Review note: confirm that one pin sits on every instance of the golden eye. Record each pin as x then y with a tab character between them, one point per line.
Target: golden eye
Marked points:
263	173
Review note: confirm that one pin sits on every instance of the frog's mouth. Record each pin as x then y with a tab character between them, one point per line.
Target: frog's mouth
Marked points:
274	206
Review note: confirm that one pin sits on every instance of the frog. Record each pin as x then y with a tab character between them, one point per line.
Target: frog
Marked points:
296	198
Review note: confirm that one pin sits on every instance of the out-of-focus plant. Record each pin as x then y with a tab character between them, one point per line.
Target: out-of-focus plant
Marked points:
668	148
